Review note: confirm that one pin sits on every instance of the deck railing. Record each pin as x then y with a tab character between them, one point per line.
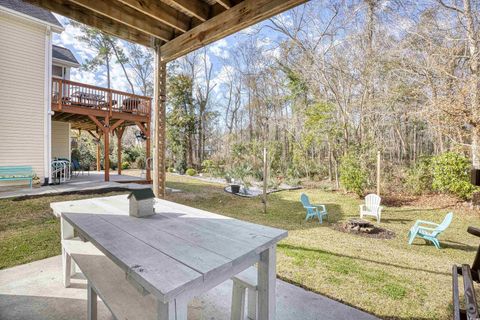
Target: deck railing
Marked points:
70	93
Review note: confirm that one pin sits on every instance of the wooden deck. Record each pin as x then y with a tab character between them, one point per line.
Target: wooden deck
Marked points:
77	103
102	112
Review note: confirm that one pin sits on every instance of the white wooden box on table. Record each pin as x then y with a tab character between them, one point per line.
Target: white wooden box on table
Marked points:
178	253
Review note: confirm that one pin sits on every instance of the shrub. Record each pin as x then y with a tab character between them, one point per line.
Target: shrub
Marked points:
352	176
450	173
213	168
191	172
140	162
125	165
180	166
419	178
207	166
170	169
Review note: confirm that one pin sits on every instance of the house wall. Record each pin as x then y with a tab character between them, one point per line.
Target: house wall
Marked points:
60	140
22	93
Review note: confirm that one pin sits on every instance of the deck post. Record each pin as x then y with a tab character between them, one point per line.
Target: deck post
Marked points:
60	94
99	150
119	150
148	163
160	92
106	151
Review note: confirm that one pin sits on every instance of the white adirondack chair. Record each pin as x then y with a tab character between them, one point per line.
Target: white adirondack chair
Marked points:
371	207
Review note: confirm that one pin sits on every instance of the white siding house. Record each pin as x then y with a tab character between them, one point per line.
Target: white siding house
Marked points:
27	134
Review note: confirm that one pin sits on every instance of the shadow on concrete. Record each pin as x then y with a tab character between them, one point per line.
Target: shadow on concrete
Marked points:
23	307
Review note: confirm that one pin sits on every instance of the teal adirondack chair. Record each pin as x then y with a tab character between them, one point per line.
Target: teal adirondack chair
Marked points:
313	210
429	233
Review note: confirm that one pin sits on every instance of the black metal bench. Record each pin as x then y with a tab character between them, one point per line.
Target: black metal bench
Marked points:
469	275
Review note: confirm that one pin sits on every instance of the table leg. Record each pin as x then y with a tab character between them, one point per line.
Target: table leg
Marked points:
181	309
175	310
166	311
238	302
267	284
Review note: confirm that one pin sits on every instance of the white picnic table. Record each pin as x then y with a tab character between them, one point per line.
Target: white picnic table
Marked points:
178	253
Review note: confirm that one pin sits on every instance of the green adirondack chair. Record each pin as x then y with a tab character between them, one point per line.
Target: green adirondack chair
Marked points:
429	233
313	210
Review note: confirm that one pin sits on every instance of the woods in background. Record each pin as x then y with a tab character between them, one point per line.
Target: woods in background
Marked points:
343	80
327	85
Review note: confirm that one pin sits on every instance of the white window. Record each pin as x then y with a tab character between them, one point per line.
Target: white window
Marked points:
58	72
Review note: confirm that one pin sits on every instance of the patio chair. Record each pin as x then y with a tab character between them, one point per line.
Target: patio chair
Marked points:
76	168
371	207
313	210
428	233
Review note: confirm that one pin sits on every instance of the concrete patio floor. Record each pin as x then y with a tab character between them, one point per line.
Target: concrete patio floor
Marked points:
92	180
35	291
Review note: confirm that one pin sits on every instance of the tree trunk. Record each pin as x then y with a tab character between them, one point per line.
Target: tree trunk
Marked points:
474	82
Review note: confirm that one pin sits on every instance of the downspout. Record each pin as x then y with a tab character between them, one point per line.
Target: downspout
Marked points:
47	127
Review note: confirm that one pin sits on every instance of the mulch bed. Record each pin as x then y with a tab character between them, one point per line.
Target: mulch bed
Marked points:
366	229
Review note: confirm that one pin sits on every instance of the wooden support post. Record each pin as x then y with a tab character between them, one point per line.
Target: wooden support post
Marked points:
379	159
119	149
60	95
159	144
148	175
99	151
106	154
265	179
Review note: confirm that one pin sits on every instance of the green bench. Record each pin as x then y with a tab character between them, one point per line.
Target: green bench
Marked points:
17	173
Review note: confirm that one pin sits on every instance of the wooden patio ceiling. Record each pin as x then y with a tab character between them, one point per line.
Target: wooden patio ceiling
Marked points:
177	26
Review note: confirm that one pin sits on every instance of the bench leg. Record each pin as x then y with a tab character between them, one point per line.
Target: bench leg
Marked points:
92	302
252	304
67	268
67	232
238	302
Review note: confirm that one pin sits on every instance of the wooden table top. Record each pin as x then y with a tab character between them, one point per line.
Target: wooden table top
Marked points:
176	250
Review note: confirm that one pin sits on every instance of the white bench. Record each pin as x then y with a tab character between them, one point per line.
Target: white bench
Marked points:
245	281
125	301
106	280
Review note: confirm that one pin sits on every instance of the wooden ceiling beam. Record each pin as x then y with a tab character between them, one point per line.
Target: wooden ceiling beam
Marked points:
227	4
195	8
127	15
161	12
241	16
93	19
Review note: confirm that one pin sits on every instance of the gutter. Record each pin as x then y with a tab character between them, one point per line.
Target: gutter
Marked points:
47	124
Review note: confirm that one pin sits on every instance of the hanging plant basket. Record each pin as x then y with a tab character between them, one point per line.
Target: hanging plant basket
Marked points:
140	135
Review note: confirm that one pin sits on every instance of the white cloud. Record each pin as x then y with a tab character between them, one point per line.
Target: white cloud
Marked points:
220	49
80	75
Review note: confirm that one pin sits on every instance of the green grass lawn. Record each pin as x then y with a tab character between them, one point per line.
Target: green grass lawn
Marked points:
388	278
28	229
